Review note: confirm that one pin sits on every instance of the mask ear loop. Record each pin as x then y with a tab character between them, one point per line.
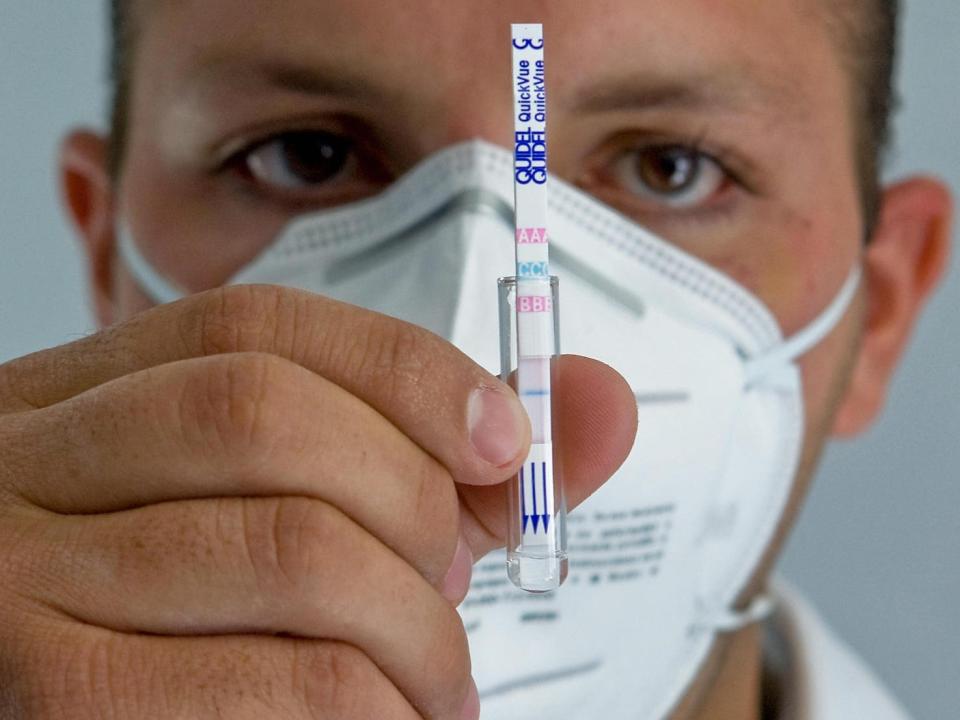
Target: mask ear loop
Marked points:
759	371
764	368
731	621
150	281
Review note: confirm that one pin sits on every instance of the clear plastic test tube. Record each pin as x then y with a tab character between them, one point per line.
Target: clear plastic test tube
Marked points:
537	509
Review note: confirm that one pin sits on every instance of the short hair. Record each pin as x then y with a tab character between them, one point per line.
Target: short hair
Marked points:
867	38
120	71
866	33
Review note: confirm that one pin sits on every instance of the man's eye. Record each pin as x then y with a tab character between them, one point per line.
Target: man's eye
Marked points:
297	160
675	175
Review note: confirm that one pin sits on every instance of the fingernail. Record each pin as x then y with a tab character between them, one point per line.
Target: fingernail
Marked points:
471	708
495	420
457	581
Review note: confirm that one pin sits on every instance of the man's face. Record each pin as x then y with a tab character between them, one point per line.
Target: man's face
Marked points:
724	127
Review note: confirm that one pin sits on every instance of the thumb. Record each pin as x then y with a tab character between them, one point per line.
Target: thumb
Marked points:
596	422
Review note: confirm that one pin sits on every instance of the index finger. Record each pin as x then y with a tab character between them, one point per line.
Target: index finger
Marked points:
441	399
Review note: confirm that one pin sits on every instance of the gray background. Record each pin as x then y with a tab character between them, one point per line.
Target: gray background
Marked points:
877	545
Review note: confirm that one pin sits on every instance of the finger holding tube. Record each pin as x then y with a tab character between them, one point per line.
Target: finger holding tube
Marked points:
236	425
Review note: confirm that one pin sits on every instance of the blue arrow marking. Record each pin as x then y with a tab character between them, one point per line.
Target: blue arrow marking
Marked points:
546	511
533	486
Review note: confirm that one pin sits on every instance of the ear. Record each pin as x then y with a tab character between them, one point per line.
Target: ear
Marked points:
903	262
88	195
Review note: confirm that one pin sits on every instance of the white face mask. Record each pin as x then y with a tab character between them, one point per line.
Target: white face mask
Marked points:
661	552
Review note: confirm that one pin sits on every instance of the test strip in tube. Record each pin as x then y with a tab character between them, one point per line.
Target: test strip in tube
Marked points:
536	552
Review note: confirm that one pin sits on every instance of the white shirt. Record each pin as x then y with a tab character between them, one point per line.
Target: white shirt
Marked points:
820	676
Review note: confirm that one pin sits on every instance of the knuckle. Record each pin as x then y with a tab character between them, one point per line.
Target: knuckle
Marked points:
332	680
447	657
446	662
288	540
230	403
393	355
237	318
435	517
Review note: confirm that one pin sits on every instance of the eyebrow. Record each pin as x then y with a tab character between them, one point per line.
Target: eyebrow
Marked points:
313	79
721	90
730	89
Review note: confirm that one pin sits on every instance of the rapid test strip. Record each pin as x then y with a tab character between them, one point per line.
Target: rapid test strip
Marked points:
536	552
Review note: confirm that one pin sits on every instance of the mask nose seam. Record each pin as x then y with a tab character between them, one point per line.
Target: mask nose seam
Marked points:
481	201
484	203
456	171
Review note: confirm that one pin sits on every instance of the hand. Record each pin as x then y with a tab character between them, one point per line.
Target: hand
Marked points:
257	503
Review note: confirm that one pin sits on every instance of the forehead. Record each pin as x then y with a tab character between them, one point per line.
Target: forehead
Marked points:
456	46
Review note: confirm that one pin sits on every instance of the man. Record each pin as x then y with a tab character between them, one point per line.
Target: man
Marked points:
260	502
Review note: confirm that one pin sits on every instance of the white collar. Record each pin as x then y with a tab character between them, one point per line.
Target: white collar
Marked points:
821	678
